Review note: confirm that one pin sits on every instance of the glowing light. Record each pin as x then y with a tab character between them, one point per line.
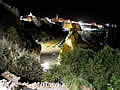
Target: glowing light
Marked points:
30	14
24	19
80	23
107	24
100	26
115	26
21	18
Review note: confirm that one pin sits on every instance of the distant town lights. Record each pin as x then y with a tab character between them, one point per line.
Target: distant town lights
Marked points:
30	14
111	25
80	23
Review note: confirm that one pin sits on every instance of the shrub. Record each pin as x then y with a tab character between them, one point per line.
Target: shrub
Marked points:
18	61
76	82
98	68
55	74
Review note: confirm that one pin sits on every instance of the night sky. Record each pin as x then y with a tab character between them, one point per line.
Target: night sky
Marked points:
92	12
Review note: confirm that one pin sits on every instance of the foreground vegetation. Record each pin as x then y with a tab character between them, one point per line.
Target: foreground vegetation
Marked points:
19	61
85	67
78	68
